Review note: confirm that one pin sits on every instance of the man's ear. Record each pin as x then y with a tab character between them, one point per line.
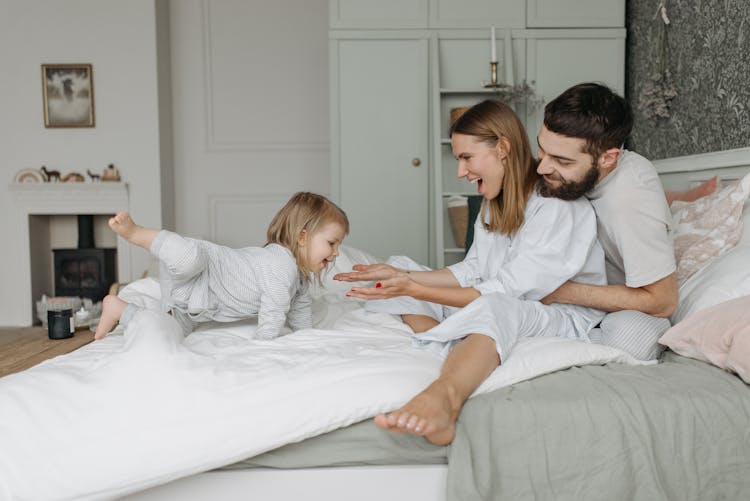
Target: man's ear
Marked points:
302	238
608	159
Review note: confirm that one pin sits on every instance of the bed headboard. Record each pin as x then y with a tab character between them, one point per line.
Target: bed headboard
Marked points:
679	173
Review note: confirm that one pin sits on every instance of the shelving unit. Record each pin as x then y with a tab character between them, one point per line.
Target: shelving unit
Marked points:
397	69
460	65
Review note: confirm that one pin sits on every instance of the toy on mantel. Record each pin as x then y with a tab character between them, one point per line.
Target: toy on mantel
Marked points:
52	175
110	173
73	177
94	177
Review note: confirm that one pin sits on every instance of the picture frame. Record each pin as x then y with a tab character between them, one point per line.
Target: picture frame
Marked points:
68	91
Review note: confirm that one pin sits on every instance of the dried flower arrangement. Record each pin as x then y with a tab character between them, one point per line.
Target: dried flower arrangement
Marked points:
513	93
658	92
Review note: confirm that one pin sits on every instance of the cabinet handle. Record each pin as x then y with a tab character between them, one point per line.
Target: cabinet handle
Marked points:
416	162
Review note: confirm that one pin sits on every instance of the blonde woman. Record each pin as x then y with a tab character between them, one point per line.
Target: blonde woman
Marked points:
525	246
202	281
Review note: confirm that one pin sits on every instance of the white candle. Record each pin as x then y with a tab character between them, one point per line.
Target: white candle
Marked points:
493	58
509	77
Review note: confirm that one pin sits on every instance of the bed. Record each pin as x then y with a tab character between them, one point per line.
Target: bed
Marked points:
558	421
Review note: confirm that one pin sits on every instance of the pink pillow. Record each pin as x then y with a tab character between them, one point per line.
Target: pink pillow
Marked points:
719	335
707	227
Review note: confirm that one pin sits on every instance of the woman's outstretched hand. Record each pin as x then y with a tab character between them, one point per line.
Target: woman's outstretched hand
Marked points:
400	285
367	272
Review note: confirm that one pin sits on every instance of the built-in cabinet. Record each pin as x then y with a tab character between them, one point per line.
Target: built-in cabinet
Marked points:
398	67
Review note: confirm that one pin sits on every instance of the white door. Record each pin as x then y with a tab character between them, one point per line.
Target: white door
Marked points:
380	93
250	112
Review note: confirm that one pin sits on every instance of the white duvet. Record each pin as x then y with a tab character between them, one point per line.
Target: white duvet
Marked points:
148	406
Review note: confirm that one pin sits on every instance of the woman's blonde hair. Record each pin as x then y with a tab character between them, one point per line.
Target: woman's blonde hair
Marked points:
489	121
304	212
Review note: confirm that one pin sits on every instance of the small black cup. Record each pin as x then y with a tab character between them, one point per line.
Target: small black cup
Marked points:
60	324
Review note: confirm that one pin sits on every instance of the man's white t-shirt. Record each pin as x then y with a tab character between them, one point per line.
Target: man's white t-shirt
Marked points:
634	223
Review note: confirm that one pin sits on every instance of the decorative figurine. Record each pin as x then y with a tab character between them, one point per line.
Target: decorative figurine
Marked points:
94	177
110	173
30	176
73	177
52	175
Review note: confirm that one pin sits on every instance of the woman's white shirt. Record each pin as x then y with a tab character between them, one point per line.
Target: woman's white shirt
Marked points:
557	242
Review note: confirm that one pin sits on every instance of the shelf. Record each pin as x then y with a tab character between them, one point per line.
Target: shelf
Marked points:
464	193
469	91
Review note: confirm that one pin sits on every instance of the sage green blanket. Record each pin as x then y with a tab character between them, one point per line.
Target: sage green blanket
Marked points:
679	430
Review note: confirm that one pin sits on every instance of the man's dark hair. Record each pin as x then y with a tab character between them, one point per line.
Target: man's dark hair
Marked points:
593	112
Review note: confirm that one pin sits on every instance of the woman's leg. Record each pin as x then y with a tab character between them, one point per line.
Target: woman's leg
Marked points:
488	327
419	323
434	411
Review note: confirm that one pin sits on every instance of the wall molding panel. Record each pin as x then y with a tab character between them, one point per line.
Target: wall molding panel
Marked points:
217	121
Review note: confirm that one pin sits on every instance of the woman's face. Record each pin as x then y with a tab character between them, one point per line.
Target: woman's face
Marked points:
480	163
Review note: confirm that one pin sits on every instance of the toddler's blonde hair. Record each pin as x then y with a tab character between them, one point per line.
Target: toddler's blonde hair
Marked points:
304	212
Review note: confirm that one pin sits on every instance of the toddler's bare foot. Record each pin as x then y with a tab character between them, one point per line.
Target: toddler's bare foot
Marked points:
432	414
112	308
123	225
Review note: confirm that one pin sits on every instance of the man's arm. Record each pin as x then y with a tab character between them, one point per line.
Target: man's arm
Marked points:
658	299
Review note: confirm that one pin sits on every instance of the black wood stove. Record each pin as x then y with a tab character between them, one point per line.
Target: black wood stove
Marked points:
85	271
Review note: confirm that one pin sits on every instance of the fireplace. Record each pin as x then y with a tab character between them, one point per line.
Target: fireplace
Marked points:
85	271
45	218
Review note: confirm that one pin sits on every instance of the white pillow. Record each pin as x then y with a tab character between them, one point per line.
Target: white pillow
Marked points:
726	277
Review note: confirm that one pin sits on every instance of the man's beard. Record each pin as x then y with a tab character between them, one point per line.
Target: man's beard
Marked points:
570	190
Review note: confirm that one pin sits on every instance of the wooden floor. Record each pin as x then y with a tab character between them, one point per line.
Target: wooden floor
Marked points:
24	347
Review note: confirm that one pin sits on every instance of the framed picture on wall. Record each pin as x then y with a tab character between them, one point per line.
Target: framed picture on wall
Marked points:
68	95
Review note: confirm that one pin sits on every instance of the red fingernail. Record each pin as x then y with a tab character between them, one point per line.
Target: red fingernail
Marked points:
378	285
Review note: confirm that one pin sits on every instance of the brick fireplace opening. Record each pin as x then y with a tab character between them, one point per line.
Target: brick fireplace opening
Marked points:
48	219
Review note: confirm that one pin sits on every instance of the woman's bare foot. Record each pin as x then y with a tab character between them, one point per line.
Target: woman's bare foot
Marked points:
431	414
112	308
700	191
123	225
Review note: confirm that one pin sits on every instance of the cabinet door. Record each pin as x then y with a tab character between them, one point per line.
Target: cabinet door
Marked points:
377	14
477	13
576	13
380	143
558	59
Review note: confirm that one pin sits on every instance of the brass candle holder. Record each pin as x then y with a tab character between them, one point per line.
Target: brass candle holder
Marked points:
493	83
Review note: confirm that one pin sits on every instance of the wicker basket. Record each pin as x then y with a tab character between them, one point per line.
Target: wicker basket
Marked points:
458	214
457	112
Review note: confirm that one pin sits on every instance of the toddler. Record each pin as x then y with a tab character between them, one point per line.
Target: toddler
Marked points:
202	281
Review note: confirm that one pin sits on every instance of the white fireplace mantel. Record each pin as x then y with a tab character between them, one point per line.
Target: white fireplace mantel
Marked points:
41	199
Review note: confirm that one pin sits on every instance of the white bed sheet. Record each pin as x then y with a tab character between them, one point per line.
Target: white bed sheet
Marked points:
143	408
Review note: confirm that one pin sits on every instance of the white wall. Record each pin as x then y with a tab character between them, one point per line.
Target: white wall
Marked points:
119	39
250	101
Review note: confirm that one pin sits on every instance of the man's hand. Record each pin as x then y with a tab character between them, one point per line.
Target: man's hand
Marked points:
400	285
367	272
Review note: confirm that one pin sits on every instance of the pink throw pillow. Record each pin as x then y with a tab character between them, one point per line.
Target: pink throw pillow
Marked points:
719	335
707	227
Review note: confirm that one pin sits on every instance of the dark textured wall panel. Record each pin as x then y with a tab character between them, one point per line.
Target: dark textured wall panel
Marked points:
707	59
